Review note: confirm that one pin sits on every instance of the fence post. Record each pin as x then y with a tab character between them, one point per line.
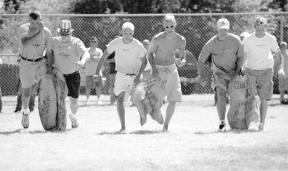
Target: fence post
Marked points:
281	27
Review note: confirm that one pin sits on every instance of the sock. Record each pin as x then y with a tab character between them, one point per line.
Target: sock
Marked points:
26	111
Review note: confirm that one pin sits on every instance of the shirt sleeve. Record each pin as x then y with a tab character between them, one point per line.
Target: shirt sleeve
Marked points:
111	46
205	52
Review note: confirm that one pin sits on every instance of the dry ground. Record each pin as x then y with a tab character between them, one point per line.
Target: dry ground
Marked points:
191	144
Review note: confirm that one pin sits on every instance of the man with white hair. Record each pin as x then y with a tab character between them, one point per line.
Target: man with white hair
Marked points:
161	55
259	48
129	55
69	56
227	53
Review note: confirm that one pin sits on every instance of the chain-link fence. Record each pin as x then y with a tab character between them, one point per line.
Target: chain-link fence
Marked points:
196	28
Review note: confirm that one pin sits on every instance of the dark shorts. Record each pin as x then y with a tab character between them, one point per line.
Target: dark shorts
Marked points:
73	84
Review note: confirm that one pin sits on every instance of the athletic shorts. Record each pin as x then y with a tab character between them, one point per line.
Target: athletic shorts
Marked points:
169	76
73	84
31	72
263	81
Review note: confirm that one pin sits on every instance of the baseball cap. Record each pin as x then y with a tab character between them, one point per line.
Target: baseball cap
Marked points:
223	23
283	44
261	20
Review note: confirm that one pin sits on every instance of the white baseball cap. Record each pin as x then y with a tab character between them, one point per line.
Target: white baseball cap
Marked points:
223	23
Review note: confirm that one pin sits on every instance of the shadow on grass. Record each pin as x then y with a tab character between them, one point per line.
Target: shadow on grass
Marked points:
90	105
139	132
233	131
23	131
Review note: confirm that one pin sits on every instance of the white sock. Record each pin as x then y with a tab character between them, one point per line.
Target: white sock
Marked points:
26	111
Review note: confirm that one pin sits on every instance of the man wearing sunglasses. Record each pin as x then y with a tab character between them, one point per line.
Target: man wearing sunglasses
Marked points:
258	49
161	55
226	53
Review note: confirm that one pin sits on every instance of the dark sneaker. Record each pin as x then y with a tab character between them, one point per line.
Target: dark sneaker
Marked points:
17	110
25	120
222	126
74	121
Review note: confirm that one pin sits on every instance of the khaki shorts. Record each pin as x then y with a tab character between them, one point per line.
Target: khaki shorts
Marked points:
219	81
123	83
31	72
169	75
263	81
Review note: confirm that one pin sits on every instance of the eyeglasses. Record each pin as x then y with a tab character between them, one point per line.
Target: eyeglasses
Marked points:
167	27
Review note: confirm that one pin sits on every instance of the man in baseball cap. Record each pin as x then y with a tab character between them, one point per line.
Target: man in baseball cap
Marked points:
223	23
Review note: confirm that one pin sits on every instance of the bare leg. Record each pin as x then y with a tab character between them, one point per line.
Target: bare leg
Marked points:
121	110
169	113
98	92
26	92
88	90
263	112
282	93
74	110
221	106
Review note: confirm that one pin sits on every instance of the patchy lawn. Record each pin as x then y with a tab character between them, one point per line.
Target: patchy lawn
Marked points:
191	144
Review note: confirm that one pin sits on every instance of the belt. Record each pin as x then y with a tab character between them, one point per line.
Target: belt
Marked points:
31	60
131	75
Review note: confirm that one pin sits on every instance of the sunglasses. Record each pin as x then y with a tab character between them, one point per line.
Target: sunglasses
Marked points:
167	27
259	23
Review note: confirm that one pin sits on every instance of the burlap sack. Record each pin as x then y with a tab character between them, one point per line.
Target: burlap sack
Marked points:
47	103
51	101
244	107
148	97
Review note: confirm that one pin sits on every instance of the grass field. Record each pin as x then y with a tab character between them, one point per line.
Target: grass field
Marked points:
192	143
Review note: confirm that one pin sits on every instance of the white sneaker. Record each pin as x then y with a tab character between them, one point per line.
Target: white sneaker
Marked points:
74	121
253	126
25	120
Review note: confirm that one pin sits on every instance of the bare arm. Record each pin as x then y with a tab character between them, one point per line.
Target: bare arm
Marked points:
143	65
151	58
31	35
100	64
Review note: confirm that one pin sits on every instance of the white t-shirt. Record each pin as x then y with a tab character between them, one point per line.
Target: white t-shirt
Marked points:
91	65
127	56
258	51
66	54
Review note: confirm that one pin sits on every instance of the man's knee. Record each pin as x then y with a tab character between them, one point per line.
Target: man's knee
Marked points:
26	92
120	97
221	94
